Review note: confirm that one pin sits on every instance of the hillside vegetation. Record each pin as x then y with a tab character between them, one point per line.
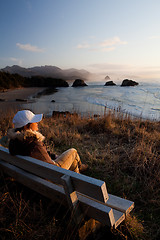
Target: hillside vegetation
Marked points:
8	80
125	153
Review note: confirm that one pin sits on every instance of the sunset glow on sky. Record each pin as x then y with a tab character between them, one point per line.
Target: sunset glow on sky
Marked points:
113	37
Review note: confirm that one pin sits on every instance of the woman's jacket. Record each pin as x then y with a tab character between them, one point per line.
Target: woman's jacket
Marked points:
28	143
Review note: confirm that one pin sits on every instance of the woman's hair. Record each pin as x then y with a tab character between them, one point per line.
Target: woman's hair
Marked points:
24	127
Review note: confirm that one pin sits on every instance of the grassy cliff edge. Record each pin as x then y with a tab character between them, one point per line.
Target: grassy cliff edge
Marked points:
123	152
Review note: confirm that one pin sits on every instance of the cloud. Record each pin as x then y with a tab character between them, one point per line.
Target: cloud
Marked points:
29	47
107	45
112	42
16	60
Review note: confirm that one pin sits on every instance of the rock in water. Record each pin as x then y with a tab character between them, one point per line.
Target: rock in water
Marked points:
110	83
127	82
79	83
107	78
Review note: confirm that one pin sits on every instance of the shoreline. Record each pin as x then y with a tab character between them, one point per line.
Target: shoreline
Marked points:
28	98
21	93
13	99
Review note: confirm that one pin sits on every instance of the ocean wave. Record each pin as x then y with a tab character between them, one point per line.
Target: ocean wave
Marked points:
132	105
157	95
156	109
97	101
139	101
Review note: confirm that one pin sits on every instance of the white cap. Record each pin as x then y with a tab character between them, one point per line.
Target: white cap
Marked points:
24	117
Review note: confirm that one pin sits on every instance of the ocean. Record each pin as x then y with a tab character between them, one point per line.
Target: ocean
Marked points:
140	101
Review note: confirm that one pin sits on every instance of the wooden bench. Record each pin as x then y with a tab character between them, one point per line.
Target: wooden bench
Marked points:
85	196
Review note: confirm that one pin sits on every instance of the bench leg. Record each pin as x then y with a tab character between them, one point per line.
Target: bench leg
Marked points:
88	228
78	224
72	199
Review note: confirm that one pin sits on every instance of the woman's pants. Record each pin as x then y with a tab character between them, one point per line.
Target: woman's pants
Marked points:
69	160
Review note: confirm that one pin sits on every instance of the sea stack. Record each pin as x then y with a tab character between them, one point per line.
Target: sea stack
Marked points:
110	83
107	78
79	83
127	82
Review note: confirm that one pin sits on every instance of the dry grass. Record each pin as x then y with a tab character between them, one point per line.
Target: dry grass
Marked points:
119	150
27	215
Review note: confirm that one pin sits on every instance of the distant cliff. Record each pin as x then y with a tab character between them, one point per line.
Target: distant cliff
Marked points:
48	71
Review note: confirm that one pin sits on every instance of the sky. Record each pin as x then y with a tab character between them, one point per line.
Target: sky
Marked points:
119	38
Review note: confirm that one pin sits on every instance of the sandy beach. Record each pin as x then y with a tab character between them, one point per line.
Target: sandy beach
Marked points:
21	93
8	98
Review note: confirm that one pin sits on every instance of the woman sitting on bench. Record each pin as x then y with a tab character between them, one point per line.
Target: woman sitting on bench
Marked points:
27	141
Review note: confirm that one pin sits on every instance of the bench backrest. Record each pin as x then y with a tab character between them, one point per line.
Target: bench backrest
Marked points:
83	184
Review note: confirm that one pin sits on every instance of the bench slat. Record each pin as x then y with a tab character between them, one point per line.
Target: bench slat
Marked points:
96	210
119	216
92	187
120	204
33	182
